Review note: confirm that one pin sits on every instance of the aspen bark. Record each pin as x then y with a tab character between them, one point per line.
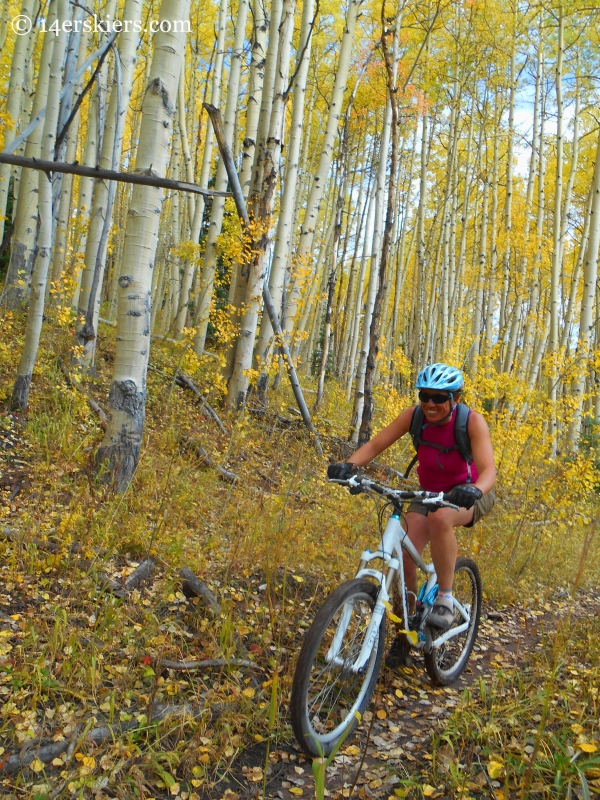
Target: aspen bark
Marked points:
218	204
14	99
103	192
587	319
22	255
119	451
283	236
20	394
315	196
266	169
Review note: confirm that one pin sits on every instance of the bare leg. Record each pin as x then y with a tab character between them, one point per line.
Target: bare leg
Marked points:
437	528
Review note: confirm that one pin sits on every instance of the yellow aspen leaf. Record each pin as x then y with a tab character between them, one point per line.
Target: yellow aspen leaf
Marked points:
381	713
577	728
296	791
495	769
587	747
428	790
37	765
249	692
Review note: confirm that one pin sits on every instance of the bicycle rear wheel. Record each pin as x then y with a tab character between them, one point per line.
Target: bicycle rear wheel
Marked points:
446	663
327	690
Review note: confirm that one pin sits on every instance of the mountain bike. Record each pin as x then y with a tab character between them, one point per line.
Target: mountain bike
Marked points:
342	651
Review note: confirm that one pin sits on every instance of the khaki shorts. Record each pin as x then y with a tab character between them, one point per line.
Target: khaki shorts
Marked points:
480	509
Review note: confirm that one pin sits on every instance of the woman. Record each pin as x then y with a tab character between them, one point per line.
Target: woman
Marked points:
468	477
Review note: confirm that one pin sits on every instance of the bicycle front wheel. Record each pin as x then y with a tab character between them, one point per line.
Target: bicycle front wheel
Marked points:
446	663
329	686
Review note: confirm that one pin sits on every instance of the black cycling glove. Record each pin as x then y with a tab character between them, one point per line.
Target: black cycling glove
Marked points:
341	472
465	495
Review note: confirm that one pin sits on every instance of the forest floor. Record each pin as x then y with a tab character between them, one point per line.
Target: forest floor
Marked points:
401	744
92	706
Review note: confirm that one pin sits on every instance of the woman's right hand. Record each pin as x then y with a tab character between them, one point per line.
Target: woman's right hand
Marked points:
341	471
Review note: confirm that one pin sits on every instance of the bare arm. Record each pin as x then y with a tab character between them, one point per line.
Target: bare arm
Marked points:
384	439
483	454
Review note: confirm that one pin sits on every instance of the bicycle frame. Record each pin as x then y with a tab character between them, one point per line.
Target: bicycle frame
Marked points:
393	541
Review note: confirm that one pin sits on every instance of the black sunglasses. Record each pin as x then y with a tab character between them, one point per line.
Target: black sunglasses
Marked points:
424	397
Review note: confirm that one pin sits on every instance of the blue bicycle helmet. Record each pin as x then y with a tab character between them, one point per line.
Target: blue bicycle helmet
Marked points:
440	376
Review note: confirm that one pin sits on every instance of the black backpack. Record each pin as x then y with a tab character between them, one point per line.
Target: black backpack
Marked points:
461	436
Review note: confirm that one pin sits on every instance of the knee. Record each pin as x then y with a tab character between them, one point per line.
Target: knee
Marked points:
439	526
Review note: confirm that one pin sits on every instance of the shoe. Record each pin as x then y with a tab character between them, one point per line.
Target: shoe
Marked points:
399	653
440	617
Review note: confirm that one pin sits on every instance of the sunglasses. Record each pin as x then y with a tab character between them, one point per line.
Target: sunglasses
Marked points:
424	397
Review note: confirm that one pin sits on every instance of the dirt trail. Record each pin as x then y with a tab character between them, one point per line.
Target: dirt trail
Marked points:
409	712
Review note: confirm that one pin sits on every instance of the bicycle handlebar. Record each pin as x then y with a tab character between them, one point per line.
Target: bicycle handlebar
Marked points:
364	484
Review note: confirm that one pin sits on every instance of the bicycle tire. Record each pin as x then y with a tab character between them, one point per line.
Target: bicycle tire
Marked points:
445	664
339	692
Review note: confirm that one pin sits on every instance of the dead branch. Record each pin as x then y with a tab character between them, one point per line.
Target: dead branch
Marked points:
139	575
207	460
145	179
46	754
182	666
187	383
19	538
195	587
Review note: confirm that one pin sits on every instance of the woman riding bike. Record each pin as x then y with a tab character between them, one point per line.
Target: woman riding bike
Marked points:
448	461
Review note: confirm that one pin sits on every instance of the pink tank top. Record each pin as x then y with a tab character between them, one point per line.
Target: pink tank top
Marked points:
439	471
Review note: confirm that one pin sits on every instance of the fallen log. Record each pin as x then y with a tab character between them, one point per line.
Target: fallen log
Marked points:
17	761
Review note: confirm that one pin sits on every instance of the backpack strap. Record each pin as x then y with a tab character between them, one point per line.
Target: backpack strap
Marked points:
461	432
416	426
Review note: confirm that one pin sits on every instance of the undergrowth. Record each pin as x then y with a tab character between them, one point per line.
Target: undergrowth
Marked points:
270	545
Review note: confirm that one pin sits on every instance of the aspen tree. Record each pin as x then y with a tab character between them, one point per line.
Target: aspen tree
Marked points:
25	221
284	233
218	203
588	298
553	339
65	196
104	192
391	58
121	445
262	201
317	189
14	99
20	394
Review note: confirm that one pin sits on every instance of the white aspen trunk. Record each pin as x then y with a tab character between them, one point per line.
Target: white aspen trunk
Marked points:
566	331
267	166
553	341
257	76
506	261
22	255
283	236
421	265
317	189
365	257
528	346
86	187
104	192
14	99
587	318
239	285
218	203
120	448
491	284
215	99
20	394
372	289
523	287
315	284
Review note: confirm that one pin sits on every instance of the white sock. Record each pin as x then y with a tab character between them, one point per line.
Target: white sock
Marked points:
444	598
